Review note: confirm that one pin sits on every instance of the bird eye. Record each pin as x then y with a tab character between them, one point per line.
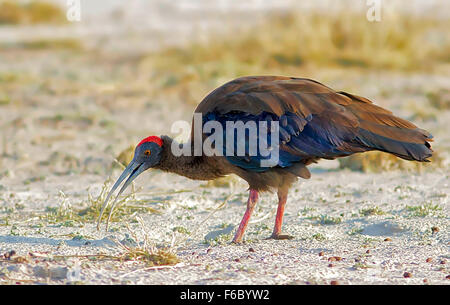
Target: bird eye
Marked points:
147	152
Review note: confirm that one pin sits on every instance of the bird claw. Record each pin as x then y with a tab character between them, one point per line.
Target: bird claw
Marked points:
280	236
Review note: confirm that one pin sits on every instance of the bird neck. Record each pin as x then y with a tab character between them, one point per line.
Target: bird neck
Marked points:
193	167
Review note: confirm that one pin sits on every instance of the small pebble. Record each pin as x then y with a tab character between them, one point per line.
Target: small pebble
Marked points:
335	259
251	250
237	260
434	229
387	239
443	262
9	254
330	265
368	251
407	274
429	260
321	253
209	250
20	260
334	283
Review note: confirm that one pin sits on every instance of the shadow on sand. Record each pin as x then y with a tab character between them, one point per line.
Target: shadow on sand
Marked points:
9	239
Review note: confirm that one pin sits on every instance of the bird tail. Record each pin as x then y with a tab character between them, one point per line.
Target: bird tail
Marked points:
380	130
387	140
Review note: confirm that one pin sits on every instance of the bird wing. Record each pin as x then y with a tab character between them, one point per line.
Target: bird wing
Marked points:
315	121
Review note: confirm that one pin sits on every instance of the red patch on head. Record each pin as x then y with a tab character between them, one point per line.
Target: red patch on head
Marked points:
153	139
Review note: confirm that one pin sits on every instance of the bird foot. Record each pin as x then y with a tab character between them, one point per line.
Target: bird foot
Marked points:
280	236
237	240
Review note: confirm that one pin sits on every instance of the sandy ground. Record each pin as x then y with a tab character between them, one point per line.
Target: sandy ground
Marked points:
357	249
69	114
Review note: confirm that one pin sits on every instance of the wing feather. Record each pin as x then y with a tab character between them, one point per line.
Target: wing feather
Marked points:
316	121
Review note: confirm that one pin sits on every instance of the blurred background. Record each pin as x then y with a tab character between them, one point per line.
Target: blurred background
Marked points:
75	95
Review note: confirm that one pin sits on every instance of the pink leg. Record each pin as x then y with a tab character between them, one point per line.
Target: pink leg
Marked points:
251	202
282	198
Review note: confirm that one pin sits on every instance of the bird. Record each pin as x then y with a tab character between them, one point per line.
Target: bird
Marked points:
314	122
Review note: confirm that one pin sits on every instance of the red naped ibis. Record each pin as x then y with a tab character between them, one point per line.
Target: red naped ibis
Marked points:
314	122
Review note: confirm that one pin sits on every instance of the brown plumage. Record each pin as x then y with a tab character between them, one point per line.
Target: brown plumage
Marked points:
315	122
304	97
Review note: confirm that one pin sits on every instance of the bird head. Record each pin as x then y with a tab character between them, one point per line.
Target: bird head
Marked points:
146	155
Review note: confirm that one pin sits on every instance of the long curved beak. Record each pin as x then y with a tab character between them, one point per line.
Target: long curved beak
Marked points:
133	170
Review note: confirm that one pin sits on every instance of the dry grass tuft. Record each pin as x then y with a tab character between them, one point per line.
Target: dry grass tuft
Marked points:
69	215
440	99
289	43
67	44
34	12
152	257
146	251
